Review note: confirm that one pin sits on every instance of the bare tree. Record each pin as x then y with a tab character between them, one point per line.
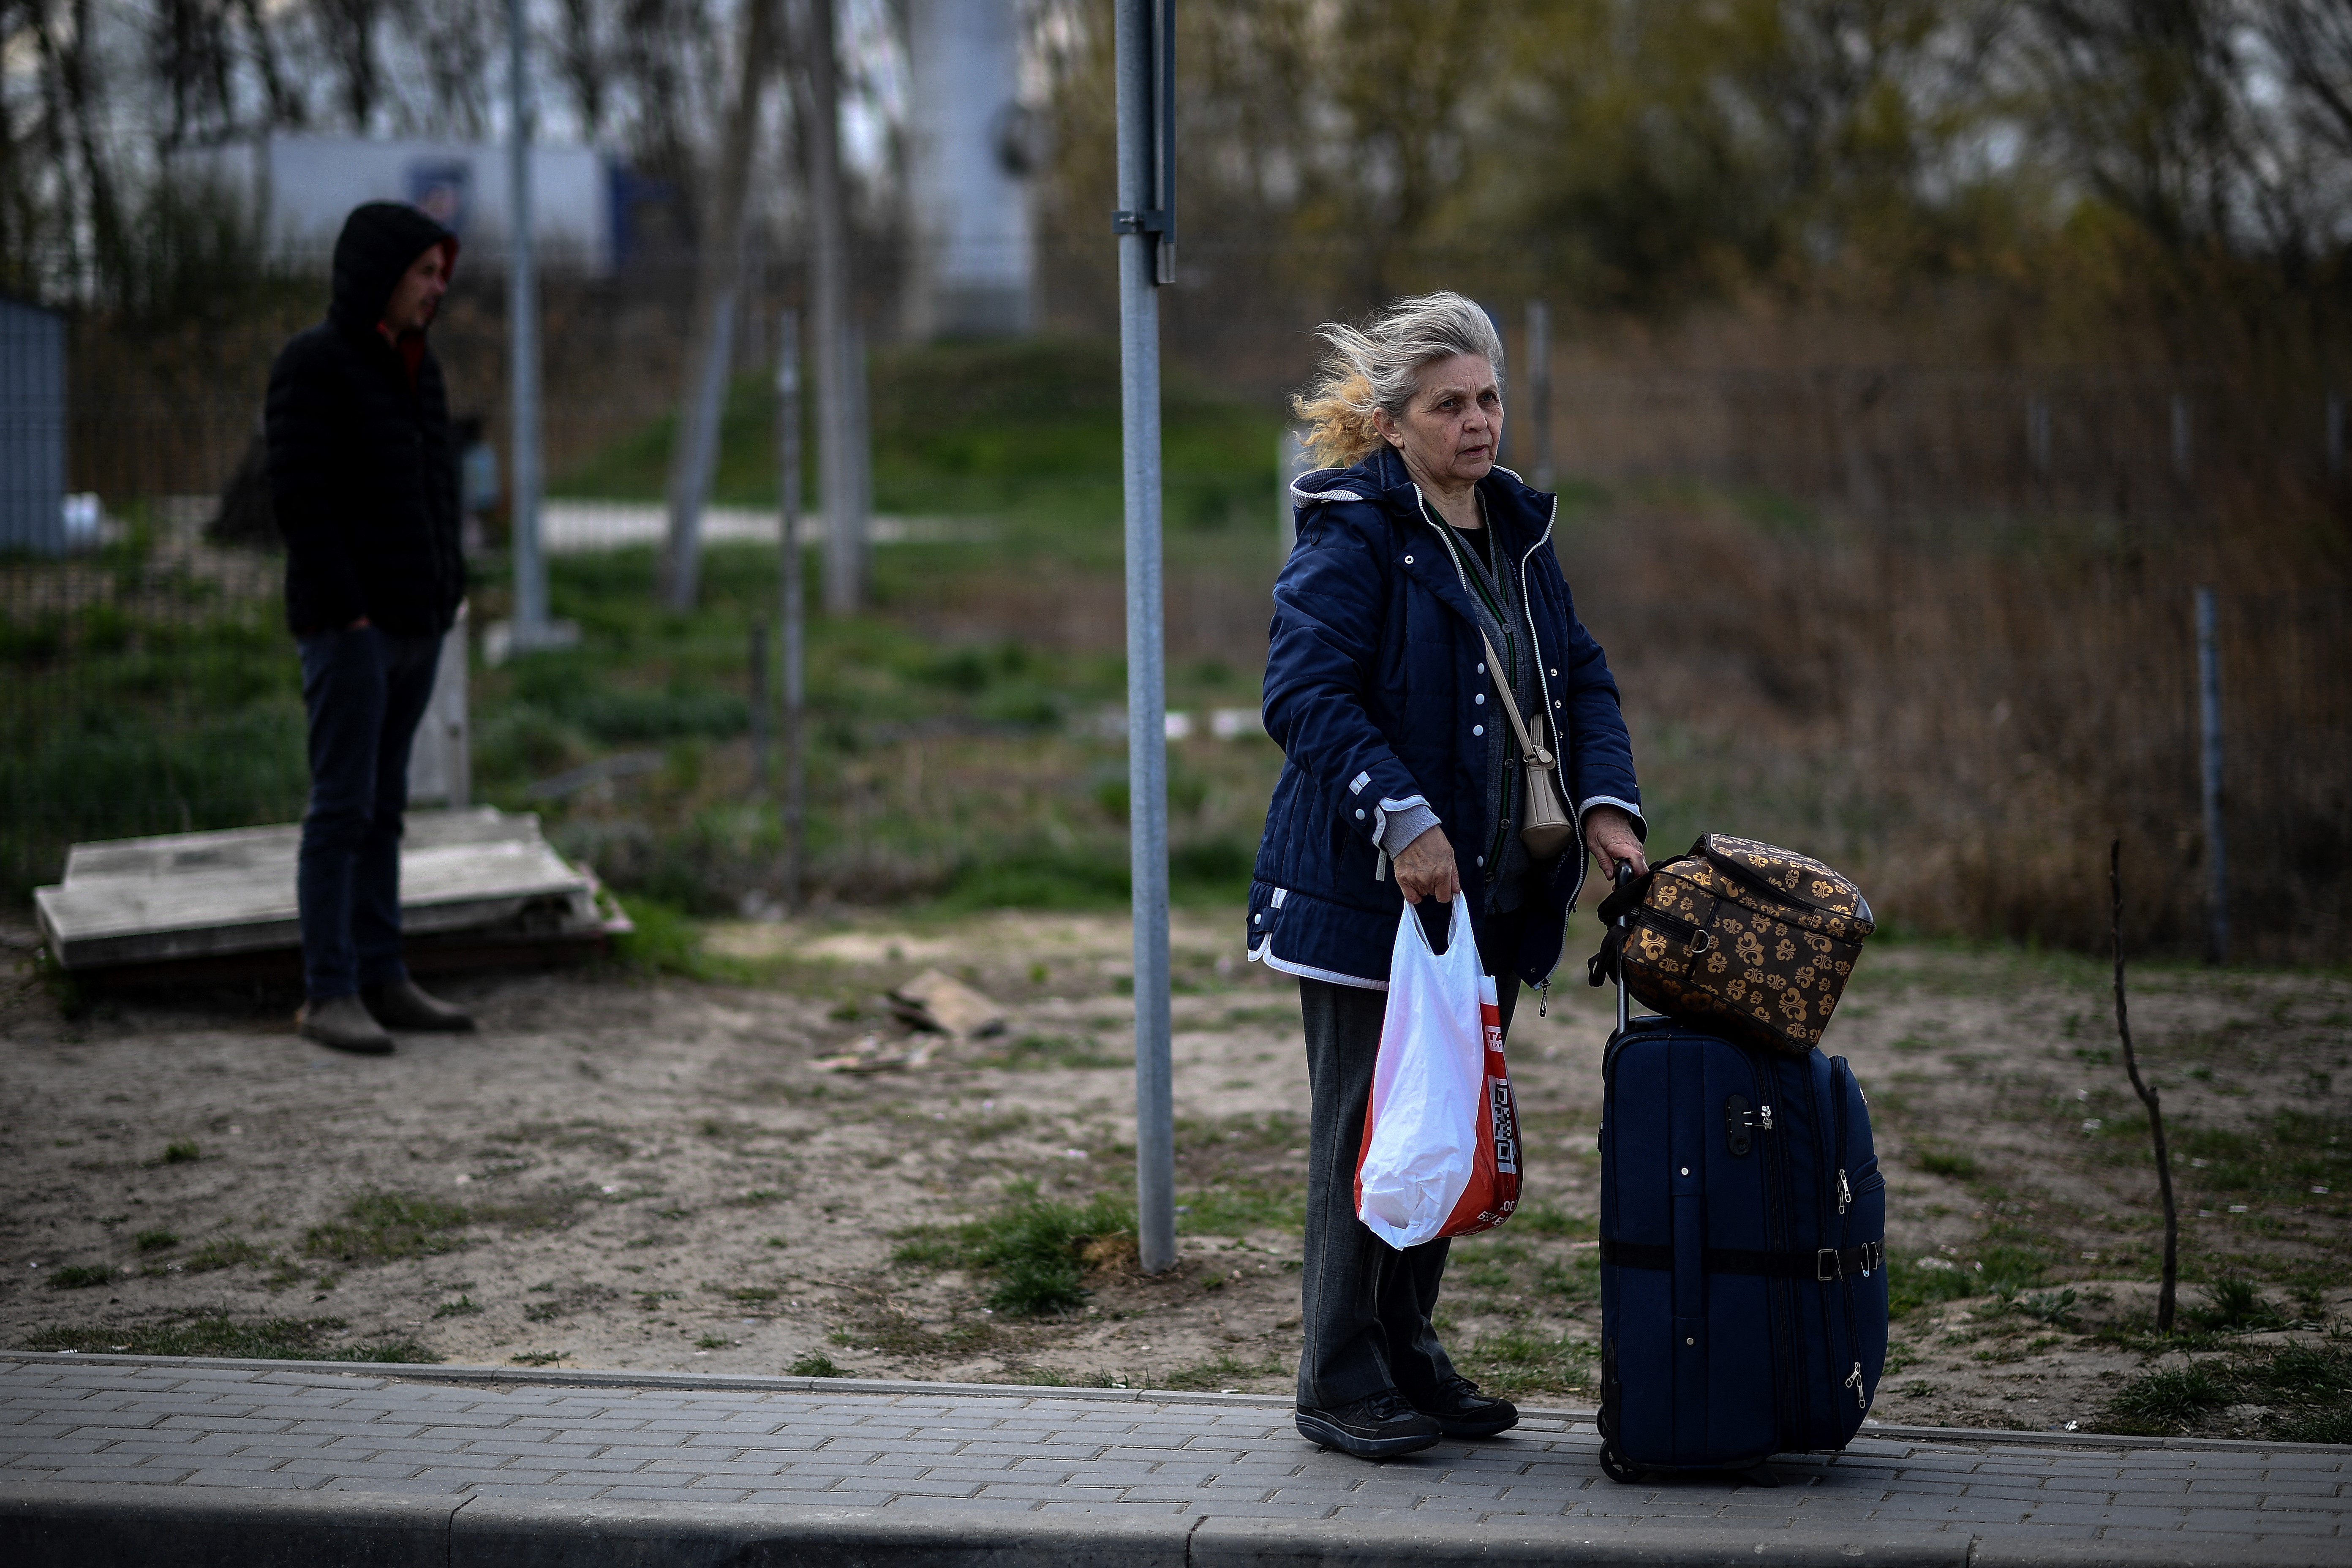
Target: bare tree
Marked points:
286	105
456	39
582	60
191	50
347	30
718	287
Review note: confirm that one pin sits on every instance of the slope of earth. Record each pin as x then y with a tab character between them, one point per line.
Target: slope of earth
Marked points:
660	1174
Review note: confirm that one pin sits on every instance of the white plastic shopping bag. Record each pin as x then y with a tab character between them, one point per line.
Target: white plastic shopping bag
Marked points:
1425	1122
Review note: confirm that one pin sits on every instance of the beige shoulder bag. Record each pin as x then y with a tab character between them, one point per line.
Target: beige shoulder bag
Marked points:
1549	828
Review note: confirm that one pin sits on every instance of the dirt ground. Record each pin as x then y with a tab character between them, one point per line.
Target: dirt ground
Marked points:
658	1173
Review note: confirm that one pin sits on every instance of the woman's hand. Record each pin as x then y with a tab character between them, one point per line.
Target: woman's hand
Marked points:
1426	868
1609	832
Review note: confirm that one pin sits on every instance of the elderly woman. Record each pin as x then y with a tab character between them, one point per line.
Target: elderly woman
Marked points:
1403	782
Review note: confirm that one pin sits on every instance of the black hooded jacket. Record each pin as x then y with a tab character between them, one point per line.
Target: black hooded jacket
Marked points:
362	469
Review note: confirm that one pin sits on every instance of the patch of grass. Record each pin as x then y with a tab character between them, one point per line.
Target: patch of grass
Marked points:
156	1240
380	1227
182	1153
814	1364
537	1358
1915	1282
1042	1052
1519	1361
2308	1387
229	1252
2234	1304
1947	1163
81	1277
665	943
1224	1373
713	1342
464	1306
270	1339
578	1134
1032	1249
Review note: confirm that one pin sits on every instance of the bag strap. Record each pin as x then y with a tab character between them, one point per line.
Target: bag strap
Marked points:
1535	756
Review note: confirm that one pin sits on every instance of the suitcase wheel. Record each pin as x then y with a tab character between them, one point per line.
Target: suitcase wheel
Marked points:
1613	1466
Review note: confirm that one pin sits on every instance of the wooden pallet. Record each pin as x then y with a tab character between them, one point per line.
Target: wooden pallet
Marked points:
478	874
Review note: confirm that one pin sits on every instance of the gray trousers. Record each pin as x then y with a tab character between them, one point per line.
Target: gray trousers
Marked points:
1364	1306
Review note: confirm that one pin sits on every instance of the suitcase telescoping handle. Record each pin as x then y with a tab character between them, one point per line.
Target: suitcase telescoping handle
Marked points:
1625	924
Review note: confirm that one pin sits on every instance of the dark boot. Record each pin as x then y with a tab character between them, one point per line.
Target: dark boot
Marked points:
402	1006
1379	1428
344	1024
1462	1412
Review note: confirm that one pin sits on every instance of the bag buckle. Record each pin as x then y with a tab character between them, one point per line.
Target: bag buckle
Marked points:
1826	1268
1873	1258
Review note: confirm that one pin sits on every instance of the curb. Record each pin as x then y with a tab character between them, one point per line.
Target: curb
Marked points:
91	1525
753	1382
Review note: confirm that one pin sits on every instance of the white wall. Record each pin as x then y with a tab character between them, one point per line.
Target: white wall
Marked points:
308	185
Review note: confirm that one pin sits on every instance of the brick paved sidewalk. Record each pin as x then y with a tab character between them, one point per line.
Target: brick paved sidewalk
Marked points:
980	1457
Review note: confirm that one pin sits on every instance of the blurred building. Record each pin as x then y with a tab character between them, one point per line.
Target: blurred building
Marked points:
303	186
32	430
970	147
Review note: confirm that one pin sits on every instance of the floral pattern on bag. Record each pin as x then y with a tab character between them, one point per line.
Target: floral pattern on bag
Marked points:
1750	940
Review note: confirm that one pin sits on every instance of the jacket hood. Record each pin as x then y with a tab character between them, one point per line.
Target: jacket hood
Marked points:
380	241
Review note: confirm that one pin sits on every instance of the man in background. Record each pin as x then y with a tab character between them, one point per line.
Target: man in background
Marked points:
365	483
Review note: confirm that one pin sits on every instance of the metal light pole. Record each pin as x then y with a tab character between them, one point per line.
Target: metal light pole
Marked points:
1145	223
522	328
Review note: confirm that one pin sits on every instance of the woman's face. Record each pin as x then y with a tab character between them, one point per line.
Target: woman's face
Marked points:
1453	426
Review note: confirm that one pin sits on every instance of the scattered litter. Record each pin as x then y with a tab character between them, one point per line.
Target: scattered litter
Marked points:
1074	1154
2204	1213
463	1178
2319	1192
867	1056
942	1004
2237	1209
1924	1263
2073	1427
611	1187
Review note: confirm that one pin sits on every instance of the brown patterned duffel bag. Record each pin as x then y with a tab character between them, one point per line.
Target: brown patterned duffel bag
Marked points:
1743	940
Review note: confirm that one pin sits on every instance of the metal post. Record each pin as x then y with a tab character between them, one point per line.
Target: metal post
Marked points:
1539	358
2208	705
840	472
2335	435
522	329
1145	34
792	619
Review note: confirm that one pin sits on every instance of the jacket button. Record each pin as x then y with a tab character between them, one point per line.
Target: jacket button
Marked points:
1555	674
1555	701
1482	669
1477	729
1257	920
1482	859
1408	560
1480	696
1360	813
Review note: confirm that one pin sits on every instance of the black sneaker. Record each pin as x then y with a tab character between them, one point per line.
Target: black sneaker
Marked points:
1461	1411
1379	1428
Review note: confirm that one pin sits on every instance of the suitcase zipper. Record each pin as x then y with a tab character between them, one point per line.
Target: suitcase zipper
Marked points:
1840	1075
1853	1381
1780	1207
1845	1199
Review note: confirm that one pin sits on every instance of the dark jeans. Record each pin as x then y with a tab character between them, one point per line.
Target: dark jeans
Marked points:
365	690
1365	1305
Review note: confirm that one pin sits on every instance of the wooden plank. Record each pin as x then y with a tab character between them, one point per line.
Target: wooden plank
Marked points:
193	895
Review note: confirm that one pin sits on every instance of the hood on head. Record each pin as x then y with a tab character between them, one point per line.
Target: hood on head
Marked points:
380	241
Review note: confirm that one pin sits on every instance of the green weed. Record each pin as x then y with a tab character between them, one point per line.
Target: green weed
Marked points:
156	1240
380	1227
814	1364
1033	1250
81	1277
231	1252
271	1339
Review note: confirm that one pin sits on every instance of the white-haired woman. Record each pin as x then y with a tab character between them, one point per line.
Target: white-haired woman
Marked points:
1403	782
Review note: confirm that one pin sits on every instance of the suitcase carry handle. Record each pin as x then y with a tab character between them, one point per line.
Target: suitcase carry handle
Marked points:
1624	923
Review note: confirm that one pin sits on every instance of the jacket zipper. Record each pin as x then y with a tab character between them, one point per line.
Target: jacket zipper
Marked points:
1839	1073
1495	845
1535	651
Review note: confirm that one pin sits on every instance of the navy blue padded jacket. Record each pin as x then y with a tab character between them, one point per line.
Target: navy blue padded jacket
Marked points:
1373	681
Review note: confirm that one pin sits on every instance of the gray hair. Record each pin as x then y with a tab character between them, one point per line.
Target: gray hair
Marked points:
1378	365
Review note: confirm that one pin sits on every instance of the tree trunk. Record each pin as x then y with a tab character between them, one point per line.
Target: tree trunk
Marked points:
841	457
718	283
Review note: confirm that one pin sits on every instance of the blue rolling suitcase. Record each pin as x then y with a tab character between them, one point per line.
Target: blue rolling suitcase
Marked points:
1743	1254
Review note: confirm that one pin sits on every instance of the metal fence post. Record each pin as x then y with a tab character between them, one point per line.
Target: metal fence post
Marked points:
2208	707
522	329
1145	39
757	704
